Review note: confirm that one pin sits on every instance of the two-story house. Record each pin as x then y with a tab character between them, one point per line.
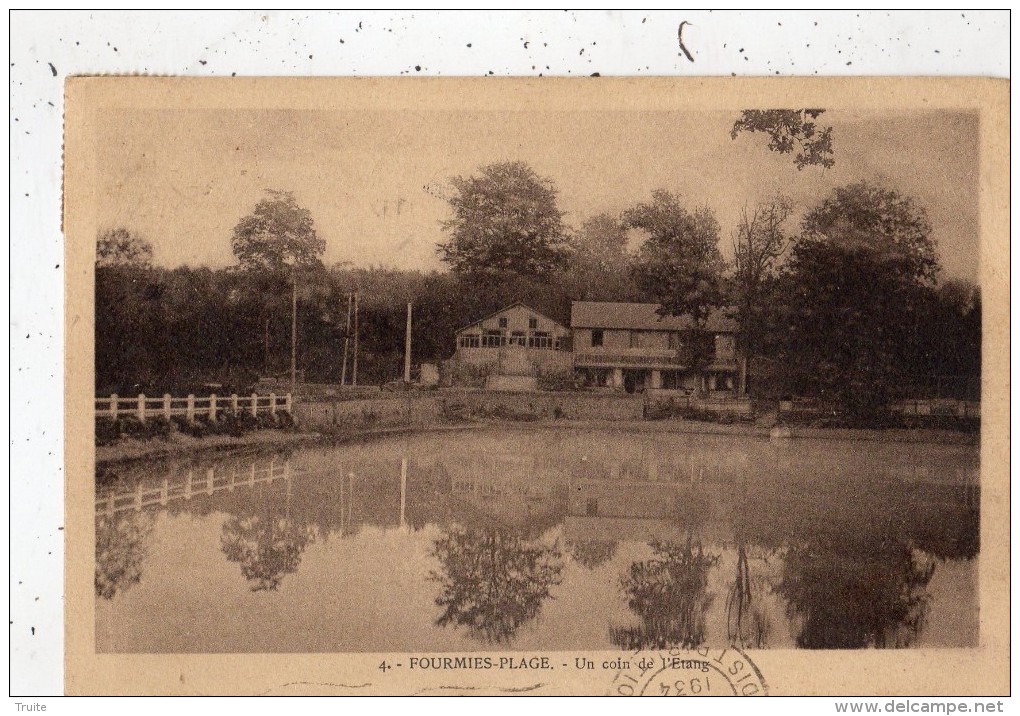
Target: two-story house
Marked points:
630	346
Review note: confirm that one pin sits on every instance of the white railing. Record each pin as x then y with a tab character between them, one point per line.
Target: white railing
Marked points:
144	407
191	483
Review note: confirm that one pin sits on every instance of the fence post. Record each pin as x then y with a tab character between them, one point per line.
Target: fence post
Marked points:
167	412
233	403
272	404
255	405
114	404
141	407
212	408
289	405
191	407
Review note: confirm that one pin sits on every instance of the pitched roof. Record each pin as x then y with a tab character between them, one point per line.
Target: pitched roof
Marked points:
507	308
641	316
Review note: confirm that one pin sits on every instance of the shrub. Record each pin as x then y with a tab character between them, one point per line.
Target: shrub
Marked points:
107	431
556	379
457	374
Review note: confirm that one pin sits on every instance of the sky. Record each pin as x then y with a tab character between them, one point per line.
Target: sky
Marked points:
375	181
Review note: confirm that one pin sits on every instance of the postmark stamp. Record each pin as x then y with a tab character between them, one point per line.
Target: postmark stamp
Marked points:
690	672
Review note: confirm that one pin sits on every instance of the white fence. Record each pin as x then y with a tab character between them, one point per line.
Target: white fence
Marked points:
193	482
144	407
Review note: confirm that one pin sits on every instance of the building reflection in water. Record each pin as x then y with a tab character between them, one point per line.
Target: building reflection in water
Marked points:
833	558
705	548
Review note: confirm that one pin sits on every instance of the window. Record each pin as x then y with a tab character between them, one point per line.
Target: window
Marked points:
503	322
532	323
540	340
596	338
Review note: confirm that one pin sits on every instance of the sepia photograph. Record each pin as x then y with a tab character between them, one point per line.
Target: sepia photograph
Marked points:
440	376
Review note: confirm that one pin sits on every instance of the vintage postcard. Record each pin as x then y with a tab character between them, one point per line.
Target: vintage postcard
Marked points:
499	386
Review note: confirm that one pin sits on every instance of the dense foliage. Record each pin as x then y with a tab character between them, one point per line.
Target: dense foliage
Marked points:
848	308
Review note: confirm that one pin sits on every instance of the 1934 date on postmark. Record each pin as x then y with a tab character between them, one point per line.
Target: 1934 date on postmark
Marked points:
689	672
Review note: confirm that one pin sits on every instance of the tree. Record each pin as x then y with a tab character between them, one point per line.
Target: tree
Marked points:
790	130
679	264
760	243
493	582
505	221
120	248
852	594
670	595
853	295
121	549
267	548
131	350
279	235
599	268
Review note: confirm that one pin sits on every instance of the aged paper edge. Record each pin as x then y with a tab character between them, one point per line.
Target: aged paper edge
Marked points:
982	670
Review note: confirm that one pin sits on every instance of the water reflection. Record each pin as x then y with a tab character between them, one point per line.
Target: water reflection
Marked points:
266	546
669	593
121	548
512	540
593	553
748	623
857	594
492	582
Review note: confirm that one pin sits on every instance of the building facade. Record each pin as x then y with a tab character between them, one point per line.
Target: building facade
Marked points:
516	338
630	346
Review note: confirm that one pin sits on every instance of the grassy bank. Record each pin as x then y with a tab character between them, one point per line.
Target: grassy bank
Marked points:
128	449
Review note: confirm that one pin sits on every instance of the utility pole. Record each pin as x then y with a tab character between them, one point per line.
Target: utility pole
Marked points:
265	353
293	330
347	340
355	369
407	347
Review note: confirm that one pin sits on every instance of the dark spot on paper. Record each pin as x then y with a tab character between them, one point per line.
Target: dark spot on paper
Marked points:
202	62
469	44
417	68
54	69
595	74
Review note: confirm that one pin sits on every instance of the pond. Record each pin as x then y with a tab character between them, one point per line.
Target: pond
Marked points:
542	539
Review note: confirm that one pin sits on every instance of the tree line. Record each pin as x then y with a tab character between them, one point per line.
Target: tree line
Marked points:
848	306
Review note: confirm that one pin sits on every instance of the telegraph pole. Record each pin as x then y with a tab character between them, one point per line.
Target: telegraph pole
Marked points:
293	330
407	347
347	339
355	370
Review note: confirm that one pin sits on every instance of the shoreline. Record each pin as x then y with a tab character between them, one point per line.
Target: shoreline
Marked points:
131	450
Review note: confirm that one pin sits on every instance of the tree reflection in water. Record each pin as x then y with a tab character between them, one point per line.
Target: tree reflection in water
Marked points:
669	594
592	553
267	548
857	593
120	551
747	622
493	582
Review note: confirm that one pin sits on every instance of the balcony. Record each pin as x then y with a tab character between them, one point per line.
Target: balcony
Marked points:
648	358
633	358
